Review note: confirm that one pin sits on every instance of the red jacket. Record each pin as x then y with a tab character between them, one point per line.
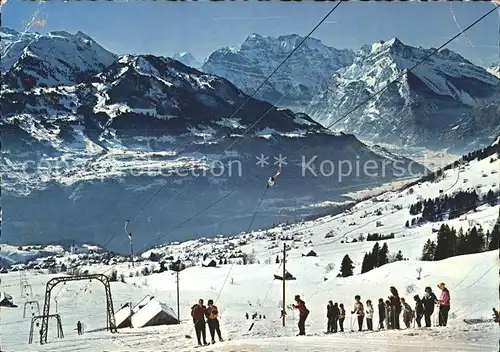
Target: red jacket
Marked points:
198	313
444	300
301	306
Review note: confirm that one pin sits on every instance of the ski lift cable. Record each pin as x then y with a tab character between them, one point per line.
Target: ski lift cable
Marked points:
251	97
345	115
338	120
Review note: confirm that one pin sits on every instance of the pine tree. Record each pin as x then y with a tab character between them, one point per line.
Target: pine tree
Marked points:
346	267
461	243
494	242
446	243
383	255
399	256
429	250
374	255
365	266
225	261
475	241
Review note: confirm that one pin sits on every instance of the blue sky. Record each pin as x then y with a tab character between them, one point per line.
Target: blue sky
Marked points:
164	28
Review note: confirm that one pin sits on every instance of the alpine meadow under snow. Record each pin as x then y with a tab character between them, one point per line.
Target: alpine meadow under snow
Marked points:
252	289
168	179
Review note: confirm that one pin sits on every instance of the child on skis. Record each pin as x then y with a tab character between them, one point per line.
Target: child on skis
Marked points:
388	313
419	310
341	316
381	313
407	313
359	311
369	315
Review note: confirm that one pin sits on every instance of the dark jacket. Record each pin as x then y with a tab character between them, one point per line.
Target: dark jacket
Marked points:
395	303
198	313
381	311
429	301
212	312
419	307
329	311
336	311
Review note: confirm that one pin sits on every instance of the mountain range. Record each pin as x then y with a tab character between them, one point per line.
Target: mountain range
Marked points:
426	103
89	136
423	109
305	74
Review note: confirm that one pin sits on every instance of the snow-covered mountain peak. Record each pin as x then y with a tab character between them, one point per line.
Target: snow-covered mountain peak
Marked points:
423	102
494	70
58	58
305	74
187	59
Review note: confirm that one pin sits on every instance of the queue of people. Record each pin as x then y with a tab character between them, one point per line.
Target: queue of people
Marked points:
390	311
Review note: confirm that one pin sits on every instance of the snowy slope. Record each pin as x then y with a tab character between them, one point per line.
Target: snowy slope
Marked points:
334	234
304	75
12	45
494	70
187	59
239	289
58	58
474	129
413	111
253	291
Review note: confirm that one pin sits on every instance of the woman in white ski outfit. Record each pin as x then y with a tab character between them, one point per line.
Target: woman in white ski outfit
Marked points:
369	315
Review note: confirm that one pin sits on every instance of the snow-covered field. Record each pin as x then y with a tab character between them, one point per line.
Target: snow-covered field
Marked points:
472	281
240	289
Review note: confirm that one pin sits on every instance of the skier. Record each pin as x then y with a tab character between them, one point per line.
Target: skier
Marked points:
198	312
381	313
395	307
388	314
429	300
79	328
303	313
419	310
329	316
369	315
341	317
247	316
359	311
407	313
212	314
272	179
444	304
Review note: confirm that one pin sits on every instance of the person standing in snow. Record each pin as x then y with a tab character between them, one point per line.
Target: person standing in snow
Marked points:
444	304
395	307
336	314
329	316
198	312
407	313
359	311
429	300
79	328
369	315
213	321
303	313
419	310
388	314
381	313
341	317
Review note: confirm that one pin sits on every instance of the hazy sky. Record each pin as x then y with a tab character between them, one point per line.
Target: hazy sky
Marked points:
164	28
